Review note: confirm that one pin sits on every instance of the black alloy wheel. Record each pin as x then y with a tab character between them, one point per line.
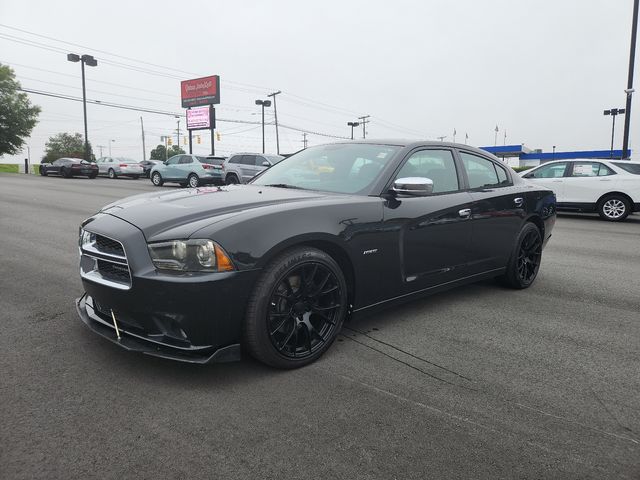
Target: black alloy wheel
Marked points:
526	258
156	179
231	179
297	309
193	181
614	208
66	173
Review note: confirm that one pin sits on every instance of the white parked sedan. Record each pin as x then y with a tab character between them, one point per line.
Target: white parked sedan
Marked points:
119	167
611	188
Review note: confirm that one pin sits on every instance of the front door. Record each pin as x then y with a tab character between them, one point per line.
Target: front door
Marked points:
551	176
434	231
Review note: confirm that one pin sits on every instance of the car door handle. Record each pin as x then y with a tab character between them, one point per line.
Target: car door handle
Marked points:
465	212
518	201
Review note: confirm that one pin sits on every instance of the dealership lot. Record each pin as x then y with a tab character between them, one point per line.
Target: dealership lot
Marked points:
478	382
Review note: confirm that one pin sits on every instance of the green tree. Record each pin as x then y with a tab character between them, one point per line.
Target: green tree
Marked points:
161	152
17	115
65	145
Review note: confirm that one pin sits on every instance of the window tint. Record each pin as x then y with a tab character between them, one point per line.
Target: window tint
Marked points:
629	167
236	159
590	169
260	160
553	170
185	159
503	178
480	171
437	165
248	160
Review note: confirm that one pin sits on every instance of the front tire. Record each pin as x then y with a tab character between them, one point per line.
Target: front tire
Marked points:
525	259
193	181
112	173
43	171
66	173
614	208
296	309
156	179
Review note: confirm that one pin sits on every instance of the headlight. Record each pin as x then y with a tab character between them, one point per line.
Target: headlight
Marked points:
86	238
190	256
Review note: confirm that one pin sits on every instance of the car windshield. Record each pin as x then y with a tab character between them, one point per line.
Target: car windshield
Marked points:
340	168
629	167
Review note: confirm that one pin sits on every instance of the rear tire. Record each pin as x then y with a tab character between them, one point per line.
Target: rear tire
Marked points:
193	180
296	309
614	208
156	179
135	177
524	263
231	179
112	173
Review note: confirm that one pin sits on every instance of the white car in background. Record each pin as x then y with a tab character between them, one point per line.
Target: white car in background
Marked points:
609	187
119	167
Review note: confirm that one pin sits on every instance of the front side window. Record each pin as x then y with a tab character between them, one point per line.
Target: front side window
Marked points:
248	160
553	170
174	160
342	168
481	172
236	159
590	169
436	165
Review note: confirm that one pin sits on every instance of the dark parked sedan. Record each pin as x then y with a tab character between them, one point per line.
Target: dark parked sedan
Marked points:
147	165
279	264
69	167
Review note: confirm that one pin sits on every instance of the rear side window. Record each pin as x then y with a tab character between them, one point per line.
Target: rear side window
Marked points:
553	170
590	169
248	160
629	167
480	171
185	159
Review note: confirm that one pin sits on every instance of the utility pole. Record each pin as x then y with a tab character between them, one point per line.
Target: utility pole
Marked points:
364	122
505	138
92	62
144	149
178	132
629	90
275	113
263	103
304	139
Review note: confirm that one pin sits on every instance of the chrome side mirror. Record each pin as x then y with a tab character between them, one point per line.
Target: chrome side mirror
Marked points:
415	186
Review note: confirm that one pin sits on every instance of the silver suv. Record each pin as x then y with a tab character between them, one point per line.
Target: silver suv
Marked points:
242	167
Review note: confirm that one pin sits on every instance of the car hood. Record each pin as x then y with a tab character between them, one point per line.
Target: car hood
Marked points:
155	213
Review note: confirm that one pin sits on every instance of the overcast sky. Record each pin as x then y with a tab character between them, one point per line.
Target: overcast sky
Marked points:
543	70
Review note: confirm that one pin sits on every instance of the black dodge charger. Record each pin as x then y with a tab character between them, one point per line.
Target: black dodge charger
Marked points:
279	264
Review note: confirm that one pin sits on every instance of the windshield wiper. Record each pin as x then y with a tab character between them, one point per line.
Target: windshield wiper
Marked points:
283	185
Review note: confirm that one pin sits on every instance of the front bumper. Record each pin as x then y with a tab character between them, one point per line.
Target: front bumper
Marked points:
134	341
195	318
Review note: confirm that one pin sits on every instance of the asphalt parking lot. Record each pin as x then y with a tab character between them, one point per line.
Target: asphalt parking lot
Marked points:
479	382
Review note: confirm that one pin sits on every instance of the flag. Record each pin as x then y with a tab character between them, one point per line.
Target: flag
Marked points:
454	132
497	130
466	136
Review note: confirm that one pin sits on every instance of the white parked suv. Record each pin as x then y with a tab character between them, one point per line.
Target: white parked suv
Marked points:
611	188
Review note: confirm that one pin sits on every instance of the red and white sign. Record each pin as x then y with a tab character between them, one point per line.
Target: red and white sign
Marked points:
200	91
199	118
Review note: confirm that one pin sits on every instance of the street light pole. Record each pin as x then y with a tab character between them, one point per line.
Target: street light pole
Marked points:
629	90
92	62
110	142
263	103
275	113
614	112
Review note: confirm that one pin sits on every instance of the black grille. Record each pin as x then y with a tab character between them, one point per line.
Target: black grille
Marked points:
113	271
108	246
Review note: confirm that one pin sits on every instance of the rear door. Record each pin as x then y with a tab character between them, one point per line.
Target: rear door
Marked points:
587	181
497	211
